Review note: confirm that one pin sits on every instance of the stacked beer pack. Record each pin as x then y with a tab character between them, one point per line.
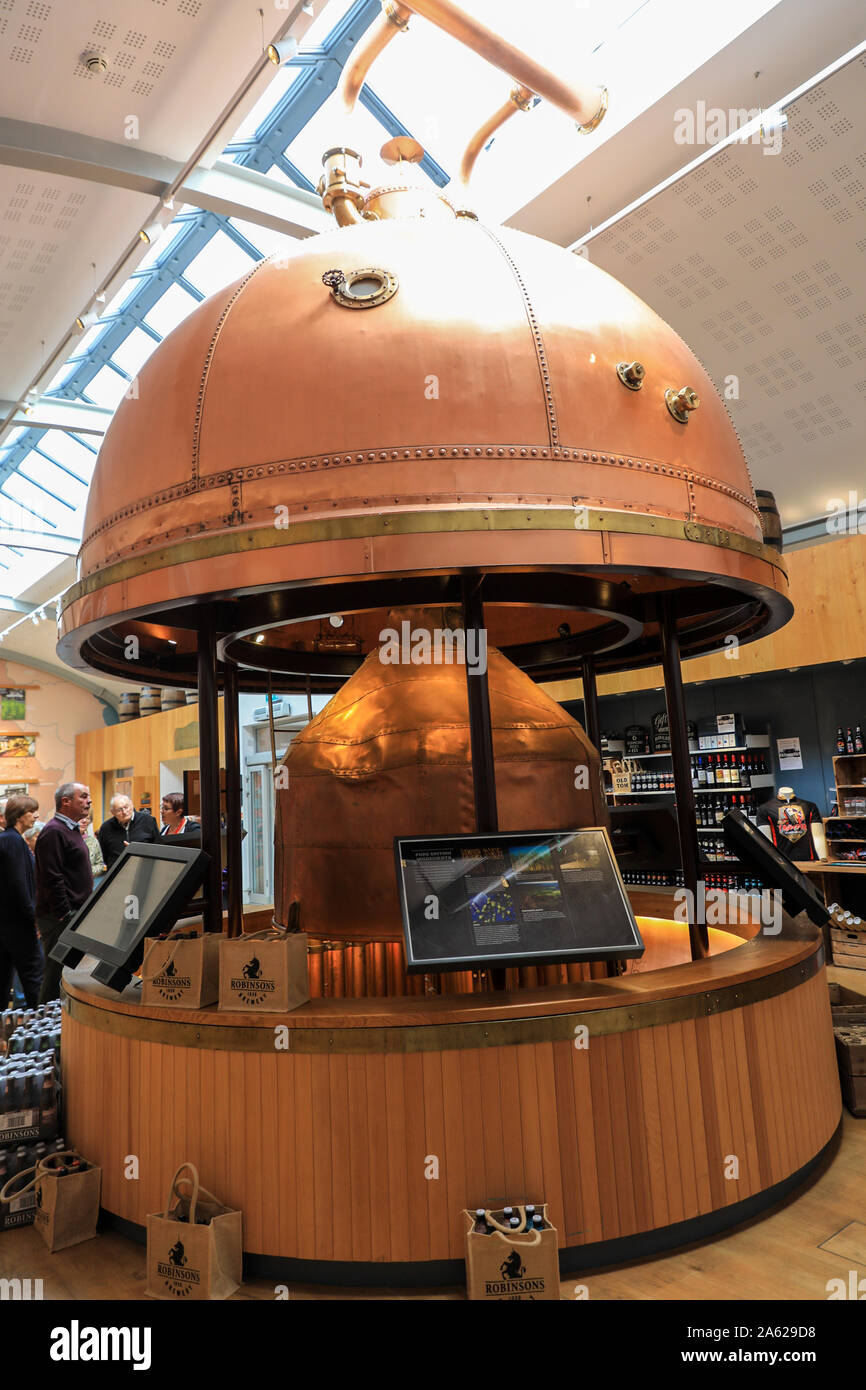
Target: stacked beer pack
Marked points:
29	1099
511	1254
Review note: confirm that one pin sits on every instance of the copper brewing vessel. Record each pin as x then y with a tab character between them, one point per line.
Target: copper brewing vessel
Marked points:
390	755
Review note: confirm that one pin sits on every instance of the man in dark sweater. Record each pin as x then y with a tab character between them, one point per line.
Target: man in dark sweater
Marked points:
19	944
125	826
64	879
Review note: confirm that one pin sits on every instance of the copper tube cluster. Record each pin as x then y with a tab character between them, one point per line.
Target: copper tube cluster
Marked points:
371	969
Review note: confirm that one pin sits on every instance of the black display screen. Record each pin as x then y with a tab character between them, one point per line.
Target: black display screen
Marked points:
512	899
761	855
142	894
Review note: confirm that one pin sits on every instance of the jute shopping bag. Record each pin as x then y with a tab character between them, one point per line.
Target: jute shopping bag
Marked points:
181	972
505	1265
18	1199
67	1199
264	972
194	1247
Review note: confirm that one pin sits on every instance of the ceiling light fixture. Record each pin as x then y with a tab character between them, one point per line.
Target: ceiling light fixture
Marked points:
96	63
260	639
283	51
151	233
86	320
335	620
307	7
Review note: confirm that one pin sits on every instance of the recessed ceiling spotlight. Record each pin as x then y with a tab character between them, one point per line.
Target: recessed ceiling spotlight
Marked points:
282	51
260	639
96	63
151	233
335	620
171	642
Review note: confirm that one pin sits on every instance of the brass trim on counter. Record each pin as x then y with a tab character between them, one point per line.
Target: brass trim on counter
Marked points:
361	527
443	1037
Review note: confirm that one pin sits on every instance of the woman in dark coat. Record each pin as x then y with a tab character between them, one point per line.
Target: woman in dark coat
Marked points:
19	944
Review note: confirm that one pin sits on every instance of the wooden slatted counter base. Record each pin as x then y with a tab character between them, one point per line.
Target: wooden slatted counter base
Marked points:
647	1111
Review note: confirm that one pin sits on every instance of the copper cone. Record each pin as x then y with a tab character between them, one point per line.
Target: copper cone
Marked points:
389	755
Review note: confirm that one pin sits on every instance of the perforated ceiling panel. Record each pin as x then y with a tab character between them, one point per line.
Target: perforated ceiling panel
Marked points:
758	260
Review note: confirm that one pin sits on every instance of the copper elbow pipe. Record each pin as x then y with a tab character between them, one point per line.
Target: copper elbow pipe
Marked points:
345	211
585	104
392	21
518	101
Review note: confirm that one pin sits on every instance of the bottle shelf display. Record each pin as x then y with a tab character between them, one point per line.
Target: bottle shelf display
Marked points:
848	826
728	778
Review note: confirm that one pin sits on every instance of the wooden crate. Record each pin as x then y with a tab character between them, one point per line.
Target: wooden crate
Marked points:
849	948
851	1056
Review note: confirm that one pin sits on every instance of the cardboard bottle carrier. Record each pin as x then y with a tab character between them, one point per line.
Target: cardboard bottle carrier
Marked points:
63	1206
508	1265
265	972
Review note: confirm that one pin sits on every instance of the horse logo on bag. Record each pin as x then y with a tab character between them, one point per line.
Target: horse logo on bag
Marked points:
175	1272
252	969
512	1267
177	1256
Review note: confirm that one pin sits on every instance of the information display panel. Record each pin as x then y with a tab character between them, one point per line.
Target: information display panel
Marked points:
512	899
761	855
142	895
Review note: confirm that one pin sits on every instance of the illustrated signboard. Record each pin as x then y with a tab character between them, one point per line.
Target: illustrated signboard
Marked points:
13	703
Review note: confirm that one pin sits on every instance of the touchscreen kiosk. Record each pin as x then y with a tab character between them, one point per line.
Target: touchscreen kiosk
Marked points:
760	854
512	899
142	894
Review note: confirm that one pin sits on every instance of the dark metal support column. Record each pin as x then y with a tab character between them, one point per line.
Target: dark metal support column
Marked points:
209	771
480	727
590	703
234	851
686	816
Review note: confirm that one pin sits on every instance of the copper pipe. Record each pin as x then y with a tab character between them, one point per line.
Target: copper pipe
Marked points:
518	101
585	104
392	21
357	972
345	212
376	972
336	968
315	953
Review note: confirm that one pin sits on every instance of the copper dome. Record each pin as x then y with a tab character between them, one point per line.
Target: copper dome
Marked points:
474	418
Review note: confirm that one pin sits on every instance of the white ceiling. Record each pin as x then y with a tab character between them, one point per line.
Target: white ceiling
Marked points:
758	260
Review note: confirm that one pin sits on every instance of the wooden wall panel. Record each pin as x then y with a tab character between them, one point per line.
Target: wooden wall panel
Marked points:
141	744
828	591
325	1154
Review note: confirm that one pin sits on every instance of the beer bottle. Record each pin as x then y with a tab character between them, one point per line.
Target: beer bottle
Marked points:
858	740
840	740
514	1223
481	1227
711	772
530	1212
537	1222
507	1213
849	741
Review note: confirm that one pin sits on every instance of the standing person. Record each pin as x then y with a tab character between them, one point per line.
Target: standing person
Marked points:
174	819
19	944
64	879
94	849
32	835
125	826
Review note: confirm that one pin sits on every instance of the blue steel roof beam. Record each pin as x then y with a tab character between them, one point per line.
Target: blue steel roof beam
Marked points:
323	68
48	493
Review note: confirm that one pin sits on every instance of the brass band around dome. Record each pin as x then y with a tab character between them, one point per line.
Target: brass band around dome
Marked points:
415	420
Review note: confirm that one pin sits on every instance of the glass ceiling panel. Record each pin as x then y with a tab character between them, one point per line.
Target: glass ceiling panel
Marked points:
170	310
40	470
24	571
325	21
265	240
273	93
54	513
330	127
134	351
66	449
217	265
107	388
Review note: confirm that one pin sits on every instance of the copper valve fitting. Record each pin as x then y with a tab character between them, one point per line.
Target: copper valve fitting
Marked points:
679	403
631	374
341	182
